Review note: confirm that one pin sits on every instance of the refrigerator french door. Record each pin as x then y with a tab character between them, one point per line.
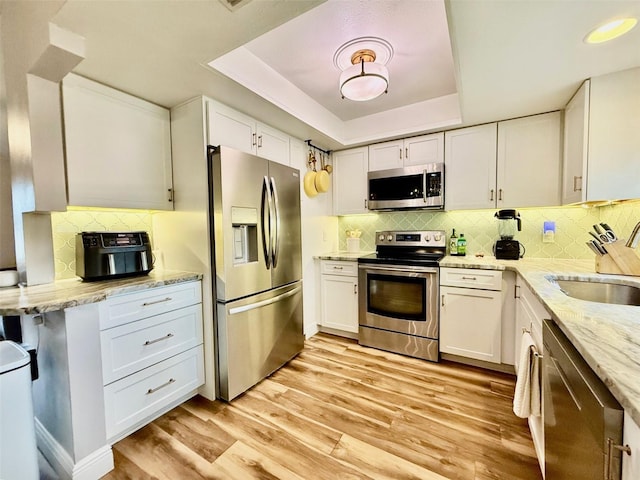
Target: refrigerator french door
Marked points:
255	230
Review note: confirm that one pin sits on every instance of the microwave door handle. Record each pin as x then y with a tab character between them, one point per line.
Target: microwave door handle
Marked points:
424	186
275	245
266	225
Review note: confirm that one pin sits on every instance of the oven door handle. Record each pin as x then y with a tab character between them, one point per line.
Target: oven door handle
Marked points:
404	269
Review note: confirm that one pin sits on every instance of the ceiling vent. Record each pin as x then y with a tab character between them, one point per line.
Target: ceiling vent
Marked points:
234	5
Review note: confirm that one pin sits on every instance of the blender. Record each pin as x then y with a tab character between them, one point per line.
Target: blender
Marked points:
508	224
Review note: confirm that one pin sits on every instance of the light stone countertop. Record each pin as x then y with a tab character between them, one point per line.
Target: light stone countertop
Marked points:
607	336
343	255
73	292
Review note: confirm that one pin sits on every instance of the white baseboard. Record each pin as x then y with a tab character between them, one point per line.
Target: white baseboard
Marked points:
91	467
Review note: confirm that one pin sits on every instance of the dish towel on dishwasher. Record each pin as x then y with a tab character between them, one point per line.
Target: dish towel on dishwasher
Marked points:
526	399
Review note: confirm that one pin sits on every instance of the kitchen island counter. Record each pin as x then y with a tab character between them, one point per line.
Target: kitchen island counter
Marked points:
606	335
73	292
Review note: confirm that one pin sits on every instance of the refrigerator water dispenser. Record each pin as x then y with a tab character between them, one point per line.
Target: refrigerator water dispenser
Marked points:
245	235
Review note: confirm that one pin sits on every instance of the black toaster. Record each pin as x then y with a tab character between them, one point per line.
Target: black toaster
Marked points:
105	255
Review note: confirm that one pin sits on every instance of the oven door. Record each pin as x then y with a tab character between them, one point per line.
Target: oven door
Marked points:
401	299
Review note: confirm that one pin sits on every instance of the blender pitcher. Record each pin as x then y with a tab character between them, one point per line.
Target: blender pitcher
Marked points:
508	223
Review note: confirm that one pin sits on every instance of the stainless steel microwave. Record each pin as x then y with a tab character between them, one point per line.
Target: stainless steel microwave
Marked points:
416	187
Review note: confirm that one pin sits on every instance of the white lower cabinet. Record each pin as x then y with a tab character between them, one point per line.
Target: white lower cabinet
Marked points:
471	313
139	397
529	315
152	354
339	292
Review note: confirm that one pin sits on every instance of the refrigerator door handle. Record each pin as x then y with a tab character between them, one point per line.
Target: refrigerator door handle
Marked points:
266	225
263	303
275	245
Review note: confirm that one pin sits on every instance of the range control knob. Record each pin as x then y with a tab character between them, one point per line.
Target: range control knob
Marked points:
381	237
427	238
437	237
390	237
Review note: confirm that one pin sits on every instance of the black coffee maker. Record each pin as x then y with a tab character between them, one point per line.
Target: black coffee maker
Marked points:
507	248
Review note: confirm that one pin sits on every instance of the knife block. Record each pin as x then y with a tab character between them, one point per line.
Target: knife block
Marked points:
620	260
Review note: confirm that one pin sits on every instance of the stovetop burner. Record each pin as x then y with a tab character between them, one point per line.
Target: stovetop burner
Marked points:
421	247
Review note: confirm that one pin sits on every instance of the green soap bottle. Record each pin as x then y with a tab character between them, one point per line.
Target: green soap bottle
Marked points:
462	245
453	243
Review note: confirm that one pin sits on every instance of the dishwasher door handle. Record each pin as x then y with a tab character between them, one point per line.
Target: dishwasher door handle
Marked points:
611	446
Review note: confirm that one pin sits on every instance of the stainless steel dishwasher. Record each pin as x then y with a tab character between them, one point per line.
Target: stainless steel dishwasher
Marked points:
582	420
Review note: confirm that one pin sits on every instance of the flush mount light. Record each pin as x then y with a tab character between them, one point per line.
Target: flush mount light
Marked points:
611	30
364	80
364	74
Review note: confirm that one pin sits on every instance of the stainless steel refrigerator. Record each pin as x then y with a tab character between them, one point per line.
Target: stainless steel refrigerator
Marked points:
255	236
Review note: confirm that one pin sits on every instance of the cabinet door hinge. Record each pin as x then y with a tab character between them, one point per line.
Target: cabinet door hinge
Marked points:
170	190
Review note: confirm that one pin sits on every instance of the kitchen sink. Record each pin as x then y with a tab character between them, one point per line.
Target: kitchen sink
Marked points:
601	292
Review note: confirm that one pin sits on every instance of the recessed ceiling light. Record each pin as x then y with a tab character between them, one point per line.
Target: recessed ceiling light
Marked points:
611	30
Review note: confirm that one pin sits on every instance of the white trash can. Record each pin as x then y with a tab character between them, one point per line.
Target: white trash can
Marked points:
18	451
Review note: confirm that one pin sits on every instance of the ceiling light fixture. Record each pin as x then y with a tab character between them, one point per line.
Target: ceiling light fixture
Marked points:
364	74
364	80
611	30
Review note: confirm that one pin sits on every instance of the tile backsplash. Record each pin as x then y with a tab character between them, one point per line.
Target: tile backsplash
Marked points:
66	225
481	228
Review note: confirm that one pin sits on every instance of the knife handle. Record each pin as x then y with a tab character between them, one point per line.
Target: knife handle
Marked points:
632	242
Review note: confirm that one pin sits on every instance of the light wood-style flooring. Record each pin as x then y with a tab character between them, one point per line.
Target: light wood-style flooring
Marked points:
342	411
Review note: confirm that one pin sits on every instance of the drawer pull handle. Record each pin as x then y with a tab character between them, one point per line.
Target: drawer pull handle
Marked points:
165	384
151	342
469	278
337	268
146	304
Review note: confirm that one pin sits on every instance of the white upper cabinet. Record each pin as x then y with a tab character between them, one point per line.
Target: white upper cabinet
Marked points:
602	145
514	163
424	149
236	130
350	181
118	148
410	151
230	128
529	161
470	167
383	156
576	130
272	144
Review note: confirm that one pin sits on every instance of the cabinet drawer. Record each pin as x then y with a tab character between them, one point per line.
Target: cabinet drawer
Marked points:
133	399
137	345
471	278
333	267
122	309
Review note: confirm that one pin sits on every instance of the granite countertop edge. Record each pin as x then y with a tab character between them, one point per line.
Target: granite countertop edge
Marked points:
343	256
69	293
607	336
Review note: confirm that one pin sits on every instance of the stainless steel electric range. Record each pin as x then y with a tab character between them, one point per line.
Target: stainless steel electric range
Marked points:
398	294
